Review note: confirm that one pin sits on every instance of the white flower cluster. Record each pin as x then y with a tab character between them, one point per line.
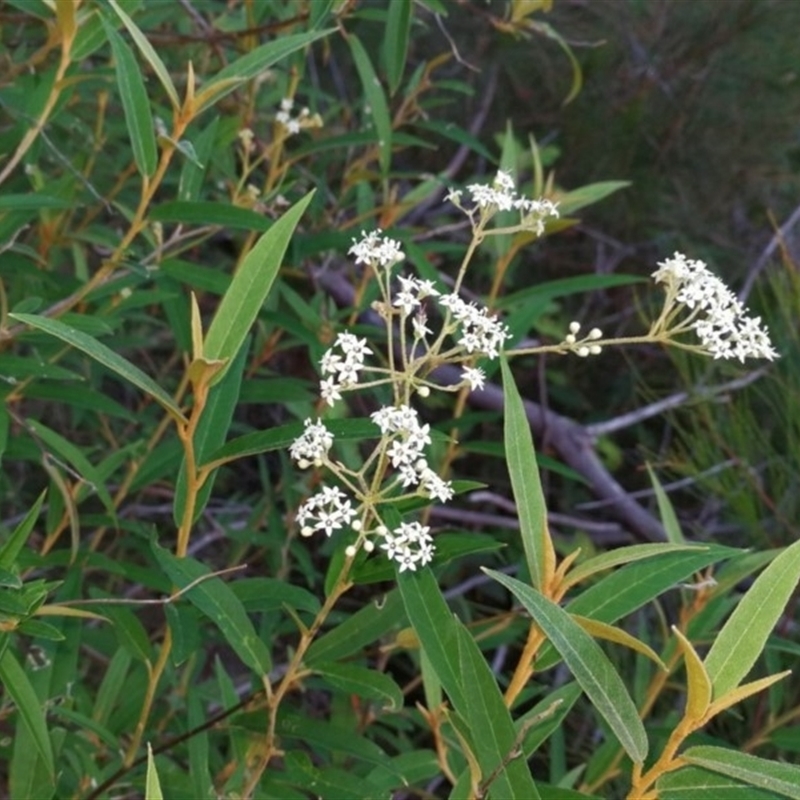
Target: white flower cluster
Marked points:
725	329
376	249
409	545
312	446
343	367
502	195
480	332
328	510
408	437
293	125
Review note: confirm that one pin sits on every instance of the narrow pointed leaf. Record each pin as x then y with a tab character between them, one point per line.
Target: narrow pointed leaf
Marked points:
103	355
376	101
665	510
218	602
149	53
504	770
744	635
696	783
527	487
135	104
152	790
18	687
251	64
12	546
395	43
698	684
784	779
744	691
592	670
623	555
602	630
362	682
250	286
436	629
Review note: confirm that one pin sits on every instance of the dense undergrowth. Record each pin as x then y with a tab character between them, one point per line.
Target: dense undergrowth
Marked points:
273	524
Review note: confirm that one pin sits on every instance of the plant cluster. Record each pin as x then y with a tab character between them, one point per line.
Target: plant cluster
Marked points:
179	323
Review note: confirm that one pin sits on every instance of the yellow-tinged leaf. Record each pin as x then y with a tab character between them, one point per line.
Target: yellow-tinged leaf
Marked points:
65	15
56	610
698	683
197	330
602	630
742	693
524	8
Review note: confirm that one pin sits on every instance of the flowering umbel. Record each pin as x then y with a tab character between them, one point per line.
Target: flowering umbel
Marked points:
715	314
427	327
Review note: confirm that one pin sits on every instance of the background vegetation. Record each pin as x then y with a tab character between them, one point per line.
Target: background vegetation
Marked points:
128	181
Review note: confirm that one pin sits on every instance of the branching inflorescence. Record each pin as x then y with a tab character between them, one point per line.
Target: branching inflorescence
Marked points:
460	332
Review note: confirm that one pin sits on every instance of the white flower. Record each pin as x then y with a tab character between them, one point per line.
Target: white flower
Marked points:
329	391
312	446
409	545
475	377
725	329
328	510
375	249
481	332
435	487
343	368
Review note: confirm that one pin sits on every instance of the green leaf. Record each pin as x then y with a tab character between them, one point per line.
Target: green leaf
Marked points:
112	686
694	783
12	546
395	41
103	355
435	626
152	787
744	635
251	64
587	195
242	301
362	682
773	776
624	555
149	54
31	710
369	624
207	212
526	485
587	662
210	434
504	772
218	602
331	737
375	100
667	513
75	457
135	104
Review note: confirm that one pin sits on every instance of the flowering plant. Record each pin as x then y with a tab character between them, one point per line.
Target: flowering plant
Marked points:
397	468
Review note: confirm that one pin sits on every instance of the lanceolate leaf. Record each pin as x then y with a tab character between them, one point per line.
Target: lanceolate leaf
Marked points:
587	662
744	635
218	602
135	104
103	355
18	687
149	53
504	772
250	65
376	100
527	487
250	286
784	779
